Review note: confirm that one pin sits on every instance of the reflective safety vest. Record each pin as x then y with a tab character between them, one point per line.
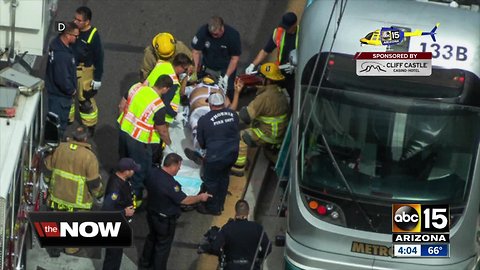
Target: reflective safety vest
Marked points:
273	121
166	68
279	39
137	118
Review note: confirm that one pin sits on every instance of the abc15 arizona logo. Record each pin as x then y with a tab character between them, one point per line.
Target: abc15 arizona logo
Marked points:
418	218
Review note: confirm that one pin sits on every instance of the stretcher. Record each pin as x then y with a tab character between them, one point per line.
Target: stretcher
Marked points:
181	137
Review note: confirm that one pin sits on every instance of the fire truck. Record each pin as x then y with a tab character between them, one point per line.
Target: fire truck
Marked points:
23	28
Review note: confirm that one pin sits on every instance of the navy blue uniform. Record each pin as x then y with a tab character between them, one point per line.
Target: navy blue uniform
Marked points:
164	198
118	196
239	239
90	53
216	52
60	80
217	132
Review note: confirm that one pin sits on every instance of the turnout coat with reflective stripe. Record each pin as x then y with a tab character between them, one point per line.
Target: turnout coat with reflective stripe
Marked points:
269	113
137	118
72	165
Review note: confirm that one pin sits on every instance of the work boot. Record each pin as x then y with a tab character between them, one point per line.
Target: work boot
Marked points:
237	171
72	251
194	156
202	209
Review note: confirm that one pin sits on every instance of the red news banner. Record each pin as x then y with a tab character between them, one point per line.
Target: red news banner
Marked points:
393	63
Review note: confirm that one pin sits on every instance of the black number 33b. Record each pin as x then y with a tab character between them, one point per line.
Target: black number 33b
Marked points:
446	52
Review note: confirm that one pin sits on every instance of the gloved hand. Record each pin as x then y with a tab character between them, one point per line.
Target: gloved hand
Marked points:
182	76
96	85
250	69
223	82
193	77
90	94
289	69
99	201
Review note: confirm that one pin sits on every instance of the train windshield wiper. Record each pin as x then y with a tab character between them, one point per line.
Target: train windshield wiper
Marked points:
345	182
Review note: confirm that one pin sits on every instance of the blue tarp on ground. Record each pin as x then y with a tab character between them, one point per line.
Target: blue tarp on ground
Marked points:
190	185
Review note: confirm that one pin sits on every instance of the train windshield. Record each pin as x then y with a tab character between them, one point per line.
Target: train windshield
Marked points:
388	148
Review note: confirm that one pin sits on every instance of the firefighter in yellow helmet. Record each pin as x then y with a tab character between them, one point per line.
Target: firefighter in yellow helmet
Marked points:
164	47
267	116
72	174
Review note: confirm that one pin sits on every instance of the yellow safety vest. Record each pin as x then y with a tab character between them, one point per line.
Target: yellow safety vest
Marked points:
273	121
279	39
166	68
137	118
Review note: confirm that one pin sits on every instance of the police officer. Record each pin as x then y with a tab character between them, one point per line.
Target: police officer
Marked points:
267	115
88	52
216	51
119	196
165	196
73	176
285	39
61	77
217	133
164	47
244	243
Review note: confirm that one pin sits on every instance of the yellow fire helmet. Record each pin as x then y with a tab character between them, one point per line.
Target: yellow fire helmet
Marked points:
164	44
208	80
271	71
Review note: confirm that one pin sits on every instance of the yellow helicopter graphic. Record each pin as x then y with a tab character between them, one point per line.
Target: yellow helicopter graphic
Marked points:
390	36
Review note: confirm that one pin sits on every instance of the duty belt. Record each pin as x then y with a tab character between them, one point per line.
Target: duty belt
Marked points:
239	261
162	215
242	261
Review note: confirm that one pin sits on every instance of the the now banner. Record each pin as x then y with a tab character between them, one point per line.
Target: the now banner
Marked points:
393	63
81	229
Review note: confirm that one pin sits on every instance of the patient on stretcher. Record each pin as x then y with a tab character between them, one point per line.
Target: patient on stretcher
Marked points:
198	104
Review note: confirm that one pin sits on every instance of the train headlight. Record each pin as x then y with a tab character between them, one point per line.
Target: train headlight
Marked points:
326	211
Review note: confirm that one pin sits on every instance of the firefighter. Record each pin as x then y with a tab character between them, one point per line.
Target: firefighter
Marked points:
217	134
60	76
72	174
88	52
285	39
142	125
164	47
216	51
267	116
178	70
